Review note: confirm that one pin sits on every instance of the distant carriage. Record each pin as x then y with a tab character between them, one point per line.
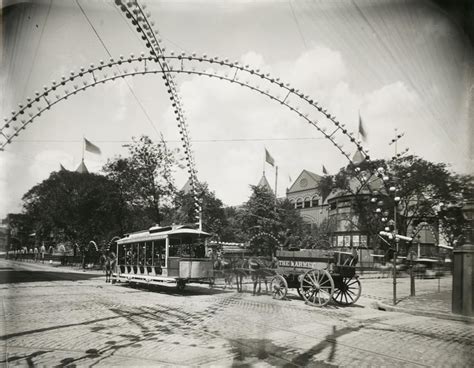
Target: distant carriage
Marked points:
164	254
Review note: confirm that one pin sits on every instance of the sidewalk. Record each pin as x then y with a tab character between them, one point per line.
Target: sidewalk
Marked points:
55	267
434	304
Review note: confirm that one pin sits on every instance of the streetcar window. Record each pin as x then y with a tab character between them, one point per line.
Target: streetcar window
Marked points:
148	253
141	254
159	256
174	250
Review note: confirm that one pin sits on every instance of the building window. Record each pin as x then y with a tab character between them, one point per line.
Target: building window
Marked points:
343	204
314	201
355	241
347	240
340	241
307	202
333	205
363	240
299	203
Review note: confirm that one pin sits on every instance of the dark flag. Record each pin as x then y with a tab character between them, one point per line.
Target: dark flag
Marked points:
91	147
325	172
362	131
269	158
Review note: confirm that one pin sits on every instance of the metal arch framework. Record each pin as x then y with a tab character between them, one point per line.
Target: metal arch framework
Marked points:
168	66
262	234
144	65
424	225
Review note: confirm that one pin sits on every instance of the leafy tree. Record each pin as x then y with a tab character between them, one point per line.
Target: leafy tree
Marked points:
262	213
145	180
73	206
421	186
20	227
213	213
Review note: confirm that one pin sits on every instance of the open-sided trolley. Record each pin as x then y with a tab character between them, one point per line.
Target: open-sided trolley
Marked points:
318	278
164	254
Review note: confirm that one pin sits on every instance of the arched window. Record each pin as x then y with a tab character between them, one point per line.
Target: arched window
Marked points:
299	203
292	201
307	202
314	201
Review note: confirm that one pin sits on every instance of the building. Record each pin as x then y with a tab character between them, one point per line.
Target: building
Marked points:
305	195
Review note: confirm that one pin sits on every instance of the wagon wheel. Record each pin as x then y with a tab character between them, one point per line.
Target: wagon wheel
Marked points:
279	287
317	287
298	289
348	291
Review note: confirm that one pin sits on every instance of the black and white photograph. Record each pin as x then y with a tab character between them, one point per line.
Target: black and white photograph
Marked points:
237	183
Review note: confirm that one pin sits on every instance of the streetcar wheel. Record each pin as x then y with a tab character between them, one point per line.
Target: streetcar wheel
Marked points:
317	287
348	292
279	287
180	285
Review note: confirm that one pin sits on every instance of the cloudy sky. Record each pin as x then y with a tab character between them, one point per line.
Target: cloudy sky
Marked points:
402	64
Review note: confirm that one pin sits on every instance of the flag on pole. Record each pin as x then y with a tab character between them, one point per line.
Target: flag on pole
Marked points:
289	178
61	167
325	172
362	132
269	158
91	147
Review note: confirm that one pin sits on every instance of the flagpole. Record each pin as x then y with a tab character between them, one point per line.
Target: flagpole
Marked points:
276	182
264	160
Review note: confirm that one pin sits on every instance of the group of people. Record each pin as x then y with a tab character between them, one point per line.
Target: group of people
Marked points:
36	254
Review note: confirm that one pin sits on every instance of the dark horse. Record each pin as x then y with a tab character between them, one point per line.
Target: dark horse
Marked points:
109	266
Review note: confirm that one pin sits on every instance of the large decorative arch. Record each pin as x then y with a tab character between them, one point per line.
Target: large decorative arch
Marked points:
157	62
264	234
132	66
425	225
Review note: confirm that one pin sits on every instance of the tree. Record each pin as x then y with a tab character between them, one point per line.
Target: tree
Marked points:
213	214
420	185
145	180
262	213
73	206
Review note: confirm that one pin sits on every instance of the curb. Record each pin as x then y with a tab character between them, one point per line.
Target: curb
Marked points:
57	268
452	317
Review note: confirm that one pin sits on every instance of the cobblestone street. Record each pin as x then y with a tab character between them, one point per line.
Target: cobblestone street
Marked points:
82	321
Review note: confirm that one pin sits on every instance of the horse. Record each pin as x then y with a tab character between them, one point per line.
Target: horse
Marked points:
224	268
240	267
109	267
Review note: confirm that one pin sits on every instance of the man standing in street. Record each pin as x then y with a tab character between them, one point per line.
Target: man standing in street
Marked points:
42	252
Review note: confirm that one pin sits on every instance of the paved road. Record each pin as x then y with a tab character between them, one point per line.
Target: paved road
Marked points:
72	321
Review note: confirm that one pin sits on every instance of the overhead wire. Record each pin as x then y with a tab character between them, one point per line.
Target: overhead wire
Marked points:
35	56
128	85
176	140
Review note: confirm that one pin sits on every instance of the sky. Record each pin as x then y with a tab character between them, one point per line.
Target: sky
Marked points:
400	64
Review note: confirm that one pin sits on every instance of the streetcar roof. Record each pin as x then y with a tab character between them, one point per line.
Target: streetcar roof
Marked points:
156	232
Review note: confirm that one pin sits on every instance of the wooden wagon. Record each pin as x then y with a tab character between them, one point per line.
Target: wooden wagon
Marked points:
318	277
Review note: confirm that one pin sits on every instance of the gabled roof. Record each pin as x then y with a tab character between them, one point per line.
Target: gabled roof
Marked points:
264	183
358	157
82	168
310	181
186	187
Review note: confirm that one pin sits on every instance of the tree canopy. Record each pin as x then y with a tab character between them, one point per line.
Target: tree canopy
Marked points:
73	206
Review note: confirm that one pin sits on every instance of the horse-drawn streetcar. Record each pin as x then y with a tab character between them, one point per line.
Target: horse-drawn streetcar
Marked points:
164	254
